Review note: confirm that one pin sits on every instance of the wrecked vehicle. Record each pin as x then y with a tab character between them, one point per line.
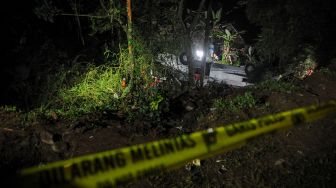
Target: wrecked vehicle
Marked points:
226	59
219	73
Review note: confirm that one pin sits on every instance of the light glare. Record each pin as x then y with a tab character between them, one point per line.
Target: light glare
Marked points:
199	53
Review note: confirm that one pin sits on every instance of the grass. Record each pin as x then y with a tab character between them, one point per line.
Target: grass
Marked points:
328	72
74	90
77	89
240	102
8	108
276	86
99	88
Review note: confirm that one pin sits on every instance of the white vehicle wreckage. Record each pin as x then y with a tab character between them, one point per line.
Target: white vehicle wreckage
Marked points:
222	57
219	73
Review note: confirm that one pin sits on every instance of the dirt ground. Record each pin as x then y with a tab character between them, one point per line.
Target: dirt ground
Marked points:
303	156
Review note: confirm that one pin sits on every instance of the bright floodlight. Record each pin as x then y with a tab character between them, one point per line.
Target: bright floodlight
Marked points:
199	53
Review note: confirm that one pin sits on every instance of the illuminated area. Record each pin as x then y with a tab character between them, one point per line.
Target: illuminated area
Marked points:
199	54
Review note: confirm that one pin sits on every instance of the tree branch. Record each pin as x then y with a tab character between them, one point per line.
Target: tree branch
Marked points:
180	13
122	25
84	15
103	6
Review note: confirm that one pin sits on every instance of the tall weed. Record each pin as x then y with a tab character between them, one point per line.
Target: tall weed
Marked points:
240	102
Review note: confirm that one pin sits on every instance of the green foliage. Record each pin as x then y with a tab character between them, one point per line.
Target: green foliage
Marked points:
216	16
240	102
73	89
46	70
97	90
161	26
154	105
228	38
304	61
8	108
106	17
46	11
287	26
227	62
236	63
99	87
328	72
51	82
276	86
32	116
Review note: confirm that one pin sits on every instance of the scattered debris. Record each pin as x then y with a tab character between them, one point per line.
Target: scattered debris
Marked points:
279	162
47	138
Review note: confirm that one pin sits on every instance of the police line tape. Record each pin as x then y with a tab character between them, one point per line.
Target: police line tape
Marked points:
119	166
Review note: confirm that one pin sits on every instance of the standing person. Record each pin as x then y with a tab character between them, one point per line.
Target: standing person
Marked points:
209	60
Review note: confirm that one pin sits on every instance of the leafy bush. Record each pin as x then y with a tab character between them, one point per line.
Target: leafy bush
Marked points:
303	62
229	54
240	102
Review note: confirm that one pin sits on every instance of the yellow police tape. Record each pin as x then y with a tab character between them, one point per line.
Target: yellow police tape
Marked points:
116	167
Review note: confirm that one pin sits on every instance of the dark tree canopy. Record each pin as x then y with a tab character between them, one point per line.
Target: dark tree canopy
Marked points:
289	26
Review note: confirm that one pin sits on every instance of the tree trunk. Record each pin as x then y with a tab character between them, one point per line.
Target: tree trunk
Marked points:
130	37
129	28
